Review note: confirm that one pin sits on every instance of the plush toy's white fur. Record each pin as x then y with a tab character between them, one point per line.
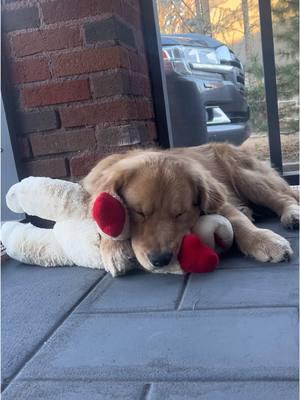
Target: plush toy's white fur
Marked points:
74	239
209	225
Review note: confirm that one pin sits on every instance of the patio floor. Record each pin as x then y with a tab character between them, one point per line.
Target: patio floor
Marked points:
76	333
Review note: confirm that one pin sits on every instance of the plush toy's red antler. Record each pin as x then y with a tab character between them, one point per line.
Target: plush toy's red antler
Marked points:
111	216
195	256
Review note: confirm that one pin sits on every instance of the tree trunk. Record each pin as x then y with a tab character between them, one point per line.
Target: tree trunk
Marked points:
206	16
203	17
247	33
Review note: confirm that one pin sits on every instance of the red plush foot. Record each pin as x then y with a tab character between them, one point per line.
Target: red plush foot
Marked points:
110	215
195	256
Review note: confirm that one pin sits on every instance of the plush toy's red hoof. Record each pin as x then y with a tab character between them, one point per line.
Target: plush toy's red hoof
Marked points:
195	256
110	215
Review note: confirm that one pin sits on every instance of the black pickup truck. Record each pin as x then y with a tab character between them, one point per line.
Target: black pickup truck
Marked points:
206	90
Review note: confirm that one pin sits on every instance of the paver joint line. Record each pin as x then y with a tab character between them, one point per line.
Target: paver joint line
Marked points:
5	385
182	292
146	395
165	380
181	310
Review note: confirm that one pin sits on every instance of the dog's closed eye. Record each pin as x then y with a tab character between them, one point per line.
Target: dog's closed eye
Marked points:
180	214
138	213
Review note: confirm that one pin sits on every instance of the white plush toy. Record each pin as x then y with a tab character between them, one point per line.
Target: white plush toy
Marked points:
76	235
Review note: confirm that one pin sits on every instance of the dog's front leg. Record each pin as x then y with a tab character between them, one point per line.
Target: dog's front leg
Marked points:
262	244
117	256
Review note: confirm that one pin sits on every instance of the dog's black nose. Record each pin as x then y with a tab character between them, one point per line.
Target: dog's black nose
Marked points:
158	259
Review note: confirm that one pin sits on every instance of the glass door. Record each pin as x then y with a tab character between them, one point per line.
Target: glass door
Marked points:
8	169
243	56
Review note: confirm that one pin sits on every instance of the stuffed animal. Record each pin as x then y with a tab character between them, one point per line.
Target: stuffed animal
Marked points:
76	235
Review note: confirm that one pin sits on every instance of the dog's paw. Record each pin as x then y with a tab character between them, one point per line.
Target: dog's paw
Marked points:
267	246
290	217
117	256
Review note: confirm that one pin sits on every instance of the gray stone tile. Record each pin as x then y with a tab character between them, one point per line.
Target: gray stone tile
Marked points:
235	259
274	225
240	344
242	288
34	299
56	390
134	292
225	391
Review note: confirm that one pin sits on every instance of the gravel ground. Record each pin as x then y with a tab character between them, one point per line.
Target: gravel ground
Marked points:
289	143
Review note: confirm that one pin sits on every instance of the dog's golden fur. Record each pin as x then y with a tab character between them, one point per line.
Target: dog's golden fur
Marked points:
166	190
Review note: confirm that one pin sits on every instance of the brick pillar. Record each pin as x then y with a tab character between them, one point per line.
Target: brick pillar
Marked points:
78	82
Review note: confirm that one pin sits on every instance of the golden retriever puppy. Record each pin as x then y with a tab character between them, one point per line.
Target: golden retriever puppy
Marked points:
166	190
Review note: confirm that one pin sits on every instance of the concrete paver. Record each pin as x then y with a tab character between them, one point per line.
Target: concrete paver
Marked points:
34	301
242	288
135	292
225	391
210	344
60	390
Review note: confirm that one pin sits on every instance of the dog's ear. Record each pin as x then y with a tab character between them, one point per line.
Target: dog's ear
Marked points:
103	177
210	194
111	181
109	175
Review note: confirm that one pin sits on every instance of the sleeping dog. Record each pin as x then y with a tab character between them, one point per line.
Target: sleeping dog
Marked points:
165	191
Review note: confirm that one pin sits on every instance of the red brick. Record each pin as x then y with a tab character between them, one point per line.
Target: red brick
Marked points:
139	38
132	16
34	42
32	70
90	60
144	109
24	148
119	82
120	135
51	167
21	18
64	10
112	83
152	130
138	63
62	142
133	3
81	164
117	110
37	121
140	85
6	46
55	93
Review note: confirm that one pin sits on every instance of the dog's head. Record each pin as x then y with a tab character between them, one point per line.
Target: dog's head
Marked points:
165	196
